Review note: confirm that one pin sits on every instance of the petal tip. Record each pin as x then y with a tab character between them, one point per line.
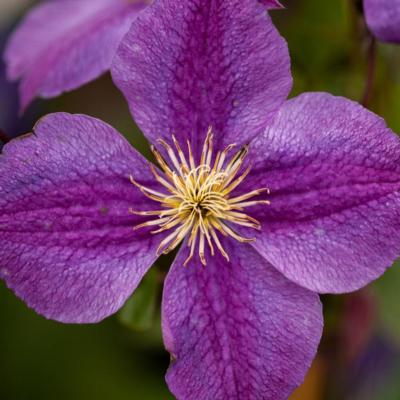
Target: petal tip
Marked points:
272	4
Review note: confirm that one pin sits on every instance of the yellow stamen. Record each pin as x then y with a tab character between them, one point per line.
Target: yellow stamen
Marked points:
197	198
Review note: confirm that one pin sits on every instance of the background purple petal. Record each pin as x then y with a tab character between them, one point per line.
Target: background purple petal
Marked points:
66	241
333	168
239	330
60	45
184	66
383	19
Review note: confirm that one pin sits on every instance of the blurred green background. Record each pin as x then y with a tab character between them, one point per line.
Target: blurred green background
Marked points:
123	357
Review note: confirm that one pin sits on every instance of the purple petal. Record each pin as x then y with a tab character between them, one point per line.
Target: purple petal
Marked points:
61	45
67	246
184	66
239	330
333	168
271	4
383	19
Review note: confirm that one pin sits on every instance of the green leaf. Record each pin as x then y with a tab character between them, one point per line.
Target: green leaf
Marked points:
139	311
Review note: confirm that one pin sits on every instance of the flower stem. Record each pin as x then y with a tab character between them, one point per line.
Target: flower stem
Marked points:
371	69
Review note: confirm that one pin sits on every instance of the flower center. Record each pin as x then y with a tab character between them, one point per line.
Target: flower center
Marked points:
198	201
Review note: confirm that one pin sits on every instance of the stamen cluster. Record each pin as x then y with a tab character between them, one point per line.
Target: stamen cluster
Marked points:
197	201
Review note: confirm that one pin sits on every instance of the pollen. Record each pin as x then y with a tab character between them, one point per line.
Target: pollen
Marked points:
196	200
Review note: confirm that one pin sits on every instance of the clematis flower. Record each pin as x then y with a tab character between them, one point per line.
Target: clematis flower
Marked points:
270	201
63	44
383	19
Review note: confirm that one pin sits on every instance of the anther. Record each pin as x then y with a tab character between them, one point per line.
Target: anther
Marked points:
197	202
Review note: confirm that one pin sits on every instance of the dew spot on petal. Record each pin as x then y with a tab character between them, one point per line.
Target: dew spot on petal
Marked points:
104	210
